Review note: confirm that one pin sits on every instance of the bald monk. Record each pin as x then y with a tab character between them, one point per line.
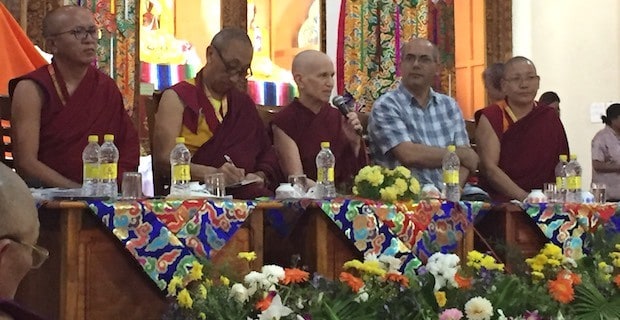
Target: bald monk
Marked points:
57	106
300	127
18	250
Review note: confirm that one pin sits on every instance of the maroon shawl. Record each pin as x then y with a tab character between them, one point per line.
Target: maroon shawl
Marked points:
241	135
16	311
96	107
530	147
308	129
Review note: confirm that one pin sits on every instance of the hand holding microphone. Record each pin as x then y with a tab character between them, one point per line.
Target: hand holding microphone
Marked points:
341	104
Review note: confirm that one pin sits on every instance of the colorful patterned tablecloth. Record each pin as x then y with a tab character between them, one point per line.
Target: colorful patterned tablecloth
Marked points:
165	237
408	231
566	224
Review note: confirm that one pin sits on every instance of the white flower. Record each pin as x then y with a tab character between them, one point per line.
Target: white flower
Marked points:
362	296
256	280
478	308
501	315
239	293
276	310
392	263
273	273
371	257
443	267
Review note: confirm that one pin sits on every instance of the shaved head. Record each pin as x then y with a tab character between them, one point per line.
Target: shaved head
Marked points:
307	60
17	207
55	19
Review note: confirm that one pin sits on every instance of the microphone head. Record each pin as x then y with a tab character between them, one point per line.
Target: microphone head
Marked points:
338	100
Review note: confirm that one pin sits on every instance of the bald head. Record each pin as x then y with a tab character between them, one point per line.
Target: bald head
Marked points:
421	44
57	18
308	60
514	61
17	206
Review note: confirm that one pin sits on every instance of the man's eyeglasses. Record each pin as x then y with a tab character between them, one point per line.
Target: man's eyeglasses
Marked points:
232	70
80	33
519	80
39	254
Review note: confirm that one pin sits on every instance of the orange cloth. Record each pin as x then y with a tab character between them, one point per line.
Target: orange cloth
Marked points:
18	55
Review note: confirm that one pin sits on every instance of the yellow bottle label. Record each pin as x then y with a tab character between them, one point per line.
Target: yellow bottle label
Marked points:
91	171
560	183
108	171
451	176
573	183
181	172
330	174
320	174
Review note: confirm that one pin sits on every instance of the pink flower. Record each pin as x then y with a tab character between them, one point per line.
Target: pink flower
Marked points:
451	314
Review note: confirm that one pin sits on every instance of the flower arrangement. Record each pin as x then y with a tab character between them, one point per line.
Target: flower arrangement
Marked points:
551	286
389	185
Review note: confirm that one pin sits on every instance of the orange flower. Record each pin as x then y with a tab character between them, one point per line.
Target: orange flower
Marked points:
354	282
264	304
574	278
617	280
561	290
395	277
295	275
462	281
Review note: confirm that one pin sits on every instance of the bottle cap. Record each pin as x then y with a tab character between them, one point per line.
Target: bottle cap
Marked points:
325	144
563	157
180	140
93	138
573	156
108	137
451	148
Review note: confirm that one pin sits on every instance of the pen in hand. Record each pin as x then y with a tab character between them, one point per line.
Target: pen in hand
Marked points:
229	160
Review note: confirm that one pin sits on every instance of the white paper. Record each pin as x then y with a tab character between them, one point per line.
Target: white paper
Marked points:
597	109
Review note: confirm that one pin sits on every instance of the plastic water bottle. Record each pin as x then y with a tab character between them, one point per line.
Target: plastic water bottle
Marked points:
451	165
90	165
108	167
325	162
179	168
573	180
560	177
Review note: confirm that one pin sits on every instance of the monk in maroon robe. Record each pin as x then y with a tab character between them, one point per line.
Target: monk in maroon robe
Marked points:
519	142
220	124
300	127
56	107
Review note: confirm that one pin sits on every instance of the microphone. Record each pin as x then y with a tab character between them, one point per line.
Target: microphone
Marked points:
341	104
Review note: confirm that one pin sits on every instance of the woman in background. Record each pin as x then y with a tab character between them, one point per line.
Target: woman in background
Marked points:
606	153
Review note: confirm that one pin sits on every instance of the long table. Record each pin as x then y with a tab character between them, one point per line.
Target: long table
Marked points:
114	260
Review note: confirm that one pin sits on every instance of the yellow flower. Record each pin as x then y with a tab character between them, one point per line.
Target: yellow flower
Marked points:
196	272
551	250
538	275
184	299
174	283
388	194
225	281
402	170
202	291
554	262
353	264
208	282
202	316
401	186
440	296
536	267
616	262
355	192
373	267
414	186
375	178
249	256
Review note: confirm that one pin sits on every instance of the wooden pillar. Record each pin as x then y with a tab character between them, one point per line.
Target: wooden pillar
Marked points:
234	13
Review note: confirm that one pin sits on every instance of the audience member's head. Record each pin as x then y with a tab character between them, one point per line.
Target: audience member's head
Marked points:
313	72
19	232
228	60
550	99
611	116
492	77
71	35
419	65
520	82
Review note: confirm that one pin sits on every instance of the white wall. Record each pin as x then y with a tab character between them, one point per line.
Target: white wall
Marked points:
575	46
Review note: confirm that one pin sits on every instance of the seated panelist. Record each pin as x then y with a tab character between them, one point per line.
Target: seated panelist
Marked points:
218	121
300	127
519	142
57	106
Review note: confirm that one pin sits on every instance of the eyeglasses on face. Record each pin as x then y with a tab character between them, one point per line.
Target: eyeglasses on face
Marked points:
39	254
232	70
80	33
518	80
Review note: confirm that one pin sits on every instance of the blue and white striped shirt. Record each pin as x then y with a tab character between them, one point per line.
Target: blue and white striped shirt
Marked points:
397	117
